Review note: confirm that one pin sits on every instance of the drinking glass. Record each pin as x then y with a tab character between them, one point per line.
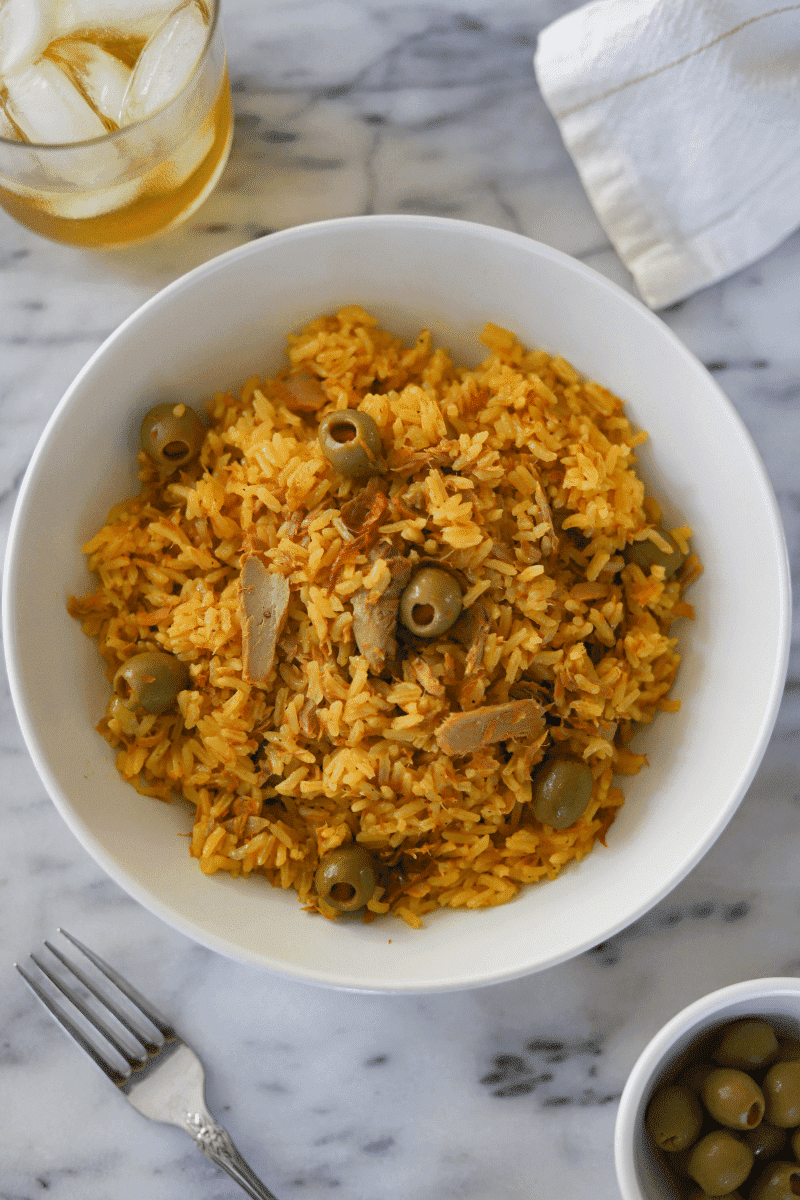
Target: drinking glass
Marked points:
138	180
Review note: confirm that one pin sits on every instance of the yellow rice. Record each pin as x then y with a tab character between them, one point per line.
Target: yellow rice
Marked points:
539	497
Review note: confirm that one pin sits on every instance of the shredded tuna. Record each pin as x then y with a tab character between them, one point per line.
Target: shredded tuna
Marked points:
263	604
244	826
375	620
365	511
362	516
425	676
292	525
527	689
307	719
606	817
303	393
471	630
462	733
549	541
420	460
288	645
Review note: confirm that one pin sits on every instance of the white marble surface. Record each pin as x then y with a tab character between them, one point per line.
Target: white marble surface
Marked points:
356	106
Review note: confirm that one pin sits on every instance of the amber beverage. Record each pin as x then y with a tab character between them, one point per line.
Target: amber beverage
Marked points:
115	131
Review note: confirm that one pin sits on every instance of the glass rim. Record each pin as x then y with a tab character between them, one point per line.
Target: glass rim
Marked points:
65	147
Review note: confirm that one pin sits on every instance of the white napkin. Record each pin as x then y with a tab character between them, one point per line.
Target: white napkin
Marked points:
683	119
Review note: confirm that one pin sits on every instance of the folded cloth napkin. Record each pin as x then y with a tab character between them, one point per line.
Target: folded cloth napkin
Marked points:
683	120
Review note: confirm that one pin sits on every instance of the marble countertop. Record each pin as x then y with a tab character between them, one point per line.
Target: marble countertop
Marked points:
345	107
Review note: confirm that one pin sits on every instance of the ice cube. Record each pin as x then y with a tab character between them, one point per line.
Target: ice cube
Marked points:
101	77
188	156
166	62
47	107
132	18
137	18
25	30
80	206
28	26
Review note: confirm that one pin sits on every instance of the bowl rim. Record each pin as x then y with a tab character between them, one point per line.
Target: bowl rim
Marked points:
657	1050
190	280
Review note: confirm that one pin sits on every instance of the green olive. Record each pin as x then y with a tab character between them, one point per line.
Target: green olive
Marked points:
778	1181
151	680
781	1089
346	878
766	1141
674	1118
646	554
562	788
431	603
720	1163
172	435
733	1099
351	442
747	1044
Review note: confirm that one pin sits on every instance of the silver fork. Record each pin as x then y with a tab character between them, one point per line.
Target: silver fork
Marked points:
163	1077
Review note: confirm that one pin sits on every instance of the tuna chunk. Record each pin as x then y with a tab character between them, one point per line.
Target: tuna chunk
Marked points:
462	733
375	618
263	604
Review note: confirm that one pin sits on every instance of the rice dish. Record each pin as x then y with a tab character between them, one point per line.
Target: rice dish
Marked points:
518	478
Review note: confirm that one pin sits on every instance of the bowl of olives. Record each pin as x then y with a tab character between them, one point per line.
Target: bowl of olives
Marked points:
712	1106
226	322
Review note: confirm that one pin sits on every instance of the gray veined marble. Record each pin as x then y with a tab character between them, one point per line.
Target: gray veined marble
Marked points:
343	107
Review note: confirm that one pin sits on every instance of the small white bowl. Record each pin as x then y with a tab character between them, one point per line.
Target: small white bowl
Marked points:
640	1173
227	320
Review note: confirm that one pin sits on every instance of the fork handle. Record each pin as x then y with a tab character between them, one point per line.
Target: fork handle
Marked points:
216	1144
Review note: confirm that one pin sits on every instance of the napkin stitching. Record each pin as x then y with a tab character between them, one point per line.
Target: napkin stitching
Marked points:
620	87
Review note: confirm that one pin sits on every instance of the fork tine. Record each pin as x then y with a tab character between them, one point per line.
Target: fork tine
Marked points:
136	998
99	1024
106	1000
68	1025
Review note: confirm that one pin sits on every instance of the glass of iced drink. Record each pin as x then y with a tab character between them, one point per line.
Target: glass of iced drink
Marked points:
115	115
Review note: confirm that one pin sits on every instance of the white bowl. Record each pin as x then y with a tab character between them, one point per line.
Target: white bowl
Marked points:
639	1172
226	320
